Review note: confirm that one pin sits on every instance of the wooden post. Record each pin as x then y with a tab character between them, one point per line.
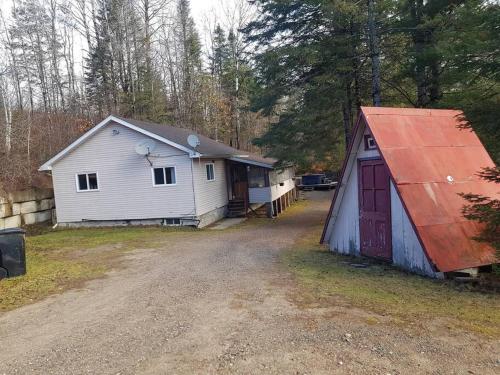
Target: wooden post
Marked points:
269	209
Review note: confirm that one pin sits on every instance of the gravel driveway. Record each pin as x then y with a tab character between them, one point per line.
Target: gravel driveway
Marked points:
216	302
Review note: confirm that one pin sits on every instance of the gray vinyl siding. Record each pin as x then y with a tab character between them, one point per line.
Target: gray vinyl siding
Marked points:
126	188
210	195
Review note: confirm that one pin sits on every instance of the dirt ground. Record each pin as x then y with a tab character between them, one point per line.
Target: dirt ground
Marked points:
219	302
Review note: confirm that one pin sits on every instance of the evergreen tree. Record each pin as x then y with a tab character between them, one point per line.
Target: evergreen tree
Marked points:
319	60
99	83
189	111
219	53
312	76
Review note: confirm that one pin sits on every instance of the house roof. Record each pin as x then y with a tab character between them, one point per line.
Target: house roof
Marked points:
176	137
432	158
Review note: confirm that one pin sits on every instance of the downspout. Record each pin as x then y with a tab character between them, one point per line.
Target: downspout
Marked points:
194	190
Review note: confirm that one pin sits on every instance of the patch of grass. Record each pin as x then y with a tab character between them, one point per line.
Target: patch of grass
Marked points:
325	277
61	259
83	238
45	276
294	209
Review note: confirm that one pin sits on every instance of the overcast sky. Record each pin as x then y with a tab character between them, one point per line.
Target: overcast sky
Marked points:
203	12
199	9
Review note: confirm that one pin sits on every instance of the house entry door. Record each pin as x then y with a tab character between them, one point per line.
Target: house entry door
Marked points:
239	182
374	209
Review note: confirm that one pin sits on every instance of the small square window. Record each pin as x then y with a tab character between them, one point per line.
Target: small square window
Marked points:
210	171
172	221
370	142
87	182
164	176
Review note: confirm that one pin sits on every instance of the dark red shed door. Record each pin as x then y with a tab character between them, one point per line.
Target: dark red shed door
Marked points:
374	209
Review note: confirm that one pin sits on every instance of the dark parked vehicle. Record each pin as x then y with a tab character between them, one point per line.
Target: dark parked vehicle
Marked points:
12	253
316	181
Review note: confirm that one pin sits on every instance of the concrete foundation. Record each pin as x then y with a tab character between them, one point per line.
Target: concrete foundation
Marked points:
212	216
123	223
200	222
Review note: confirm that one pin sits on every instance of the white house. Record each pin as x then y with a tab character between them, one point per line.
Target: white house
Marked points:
398	196
103	179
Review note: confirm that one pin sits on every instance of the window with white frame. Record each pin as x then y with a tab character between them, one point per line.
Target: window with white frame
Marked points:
370	142
164	176
209	167
87	182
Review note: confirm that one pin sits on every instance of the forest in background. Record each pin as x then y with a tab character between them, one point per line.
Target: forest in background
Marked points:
282	77
67	64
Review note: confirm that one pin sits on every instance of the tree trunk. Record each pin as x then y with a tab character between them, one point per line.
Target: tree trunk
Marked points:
8	118
419	41
374	53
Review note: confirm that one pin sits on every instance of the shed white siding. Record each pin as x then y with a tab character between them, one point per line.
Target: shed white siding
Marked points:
210	195
126	188
407	251
345	232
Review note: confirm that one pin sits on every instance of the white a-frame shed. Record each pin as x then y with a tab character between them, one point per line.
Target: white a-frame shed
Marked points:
398	199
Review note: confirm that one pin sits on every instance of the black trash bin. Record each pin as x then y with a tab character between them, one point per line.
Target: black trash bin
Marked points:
12	253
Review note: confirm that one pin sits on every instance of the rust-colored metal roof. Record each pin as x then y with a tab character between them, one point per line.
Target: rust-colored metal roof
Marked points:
431	159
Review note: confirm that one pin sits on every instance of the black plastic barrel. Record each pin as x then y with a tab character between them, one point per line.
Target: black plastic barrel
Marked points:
12	253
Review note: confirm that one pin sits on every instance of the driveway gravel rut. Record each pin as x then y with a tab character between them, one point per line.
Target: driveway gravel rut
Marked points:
216	302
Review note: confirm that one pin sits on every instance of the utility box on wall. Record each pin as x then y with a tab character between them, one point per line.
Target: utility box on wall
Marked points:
12	253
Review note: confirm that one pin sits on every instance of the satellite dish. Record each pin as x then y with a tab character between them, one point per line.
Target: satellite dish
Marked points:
193	140
145	147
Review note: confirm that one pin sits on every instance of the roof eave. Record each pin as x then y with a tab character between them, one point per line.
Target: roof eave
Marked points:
252	162
48	165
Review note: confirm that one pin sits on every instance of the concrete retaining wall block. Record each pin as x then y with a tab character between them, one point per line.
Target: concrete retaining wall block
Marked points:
30	195
37	217
10	222
5	210
29	207
46	204
16	208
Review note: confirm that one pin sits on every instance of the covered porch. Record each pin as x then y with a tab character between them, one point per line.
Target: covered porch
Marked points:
259	190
